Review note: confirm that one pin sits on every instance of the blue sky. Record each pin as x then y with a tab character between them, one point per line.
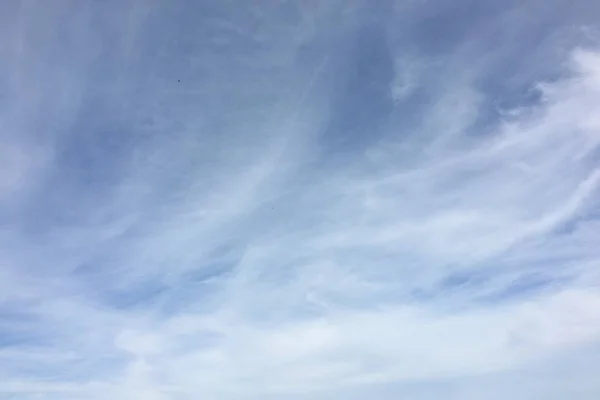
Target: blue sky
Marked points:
299	199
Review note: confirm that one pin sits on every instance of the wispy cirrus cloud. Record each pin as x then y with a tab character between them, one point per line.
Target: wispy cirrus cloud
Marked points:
302	201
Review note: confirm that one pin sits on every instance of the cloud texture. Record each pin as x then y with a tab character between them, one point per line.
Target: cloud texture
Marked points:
303	200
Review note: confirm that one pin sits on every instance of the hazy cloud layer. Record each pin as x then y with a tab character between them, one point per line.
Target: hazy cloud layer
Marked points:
302	200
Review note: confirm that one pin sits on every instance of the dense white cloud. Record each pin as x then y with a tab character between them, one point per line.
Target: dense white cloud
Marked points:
180	219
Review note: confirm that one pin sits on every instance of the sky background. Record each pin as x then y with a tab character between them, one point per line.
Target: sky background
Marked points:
205	199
